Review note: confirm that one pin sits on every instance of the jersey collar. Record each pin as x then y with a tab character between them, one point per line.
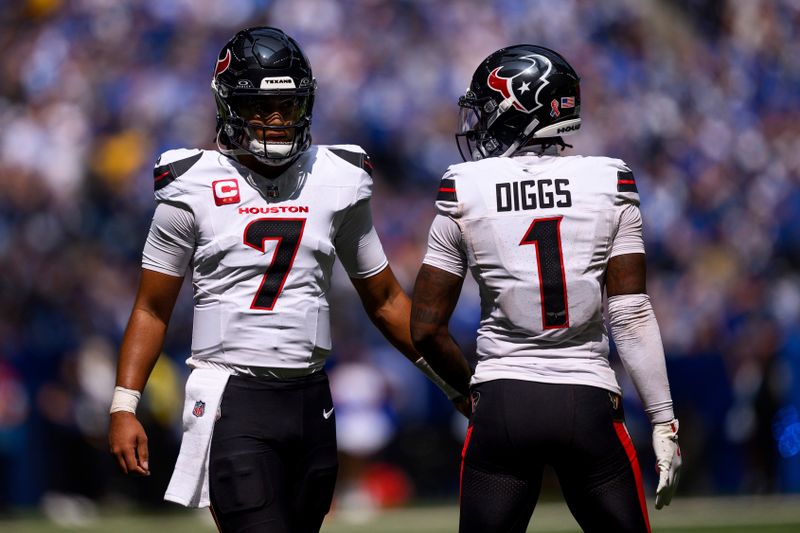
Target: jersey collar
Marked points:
538	149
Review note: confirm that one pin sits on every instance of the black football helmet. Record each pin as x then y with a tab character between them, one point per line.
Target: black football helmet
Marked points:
264	91
517	94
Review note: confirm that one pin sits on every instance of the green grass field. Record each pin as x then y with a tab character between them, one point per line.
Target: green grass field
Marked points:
713	515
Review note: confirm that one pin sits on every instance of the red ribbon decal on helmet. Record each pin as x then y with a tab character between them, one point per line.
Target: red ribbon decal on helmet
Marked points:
223	64
554	112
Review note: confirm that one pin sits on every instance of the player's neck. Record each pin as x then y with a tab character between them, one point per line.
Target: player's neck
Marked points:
267	171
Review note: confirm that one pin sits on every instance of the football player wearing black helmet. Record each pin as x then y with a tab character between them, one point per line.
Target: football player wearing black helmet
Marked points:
259	224
518	94
546	236
264	89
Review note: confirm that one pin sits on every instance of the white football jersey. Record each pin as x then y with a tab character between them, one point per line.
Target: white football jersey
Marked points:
537	232
262	251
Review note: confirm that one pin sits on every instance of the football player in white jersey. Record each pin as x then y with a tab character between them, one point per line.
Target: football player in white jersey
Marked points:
259	222
543	235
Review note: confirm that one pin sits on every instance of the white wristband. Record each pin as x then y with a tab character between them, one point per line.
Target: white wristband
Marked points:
449	391
125	400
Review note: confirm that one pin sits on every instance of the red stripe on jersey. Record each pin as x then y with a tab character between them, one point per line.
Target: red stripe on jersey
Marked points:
627	443
463	454
162	176
445	189
626	182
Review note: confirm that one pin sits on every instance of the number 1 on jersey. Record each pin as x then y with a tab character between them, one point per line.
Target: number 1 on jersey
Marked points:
545	234
288	232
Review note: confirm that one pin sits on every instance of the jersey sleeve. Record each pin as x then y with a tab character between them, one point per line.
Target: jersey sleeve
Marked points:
628	238
627	191
364	187
445	247
447	202
170	166
357	243
170	243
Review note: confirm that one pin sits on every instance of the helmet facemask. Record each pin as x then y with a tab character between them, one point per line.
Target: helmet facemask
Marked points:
273	127
477	139
473	138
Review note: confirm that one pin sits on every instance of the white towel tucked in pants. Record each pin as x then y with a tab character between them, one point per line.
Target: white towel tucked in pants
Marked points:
189	483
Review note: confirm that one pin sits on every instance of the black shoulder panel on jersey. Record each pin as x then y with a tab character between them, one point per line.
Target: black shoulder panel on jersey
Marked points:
163	175
447	190
354	158
626	182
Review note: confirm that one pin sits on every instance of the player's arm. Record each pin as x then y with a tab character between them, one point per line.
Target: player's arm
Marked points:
636	334
386	303
167	253
360	250
141	346
436	293
388	307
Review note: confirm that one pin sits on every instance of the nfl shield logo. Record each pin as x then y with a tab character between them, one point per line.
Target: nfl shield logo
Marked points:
199	408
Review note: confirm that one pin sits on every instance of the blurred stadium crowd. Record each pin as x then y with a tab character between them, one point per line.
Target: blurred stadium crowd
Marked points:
701	98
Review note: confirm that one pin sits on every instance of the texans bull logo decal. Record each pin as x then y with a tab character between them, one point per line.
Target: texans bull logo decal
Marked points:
515	92
223	64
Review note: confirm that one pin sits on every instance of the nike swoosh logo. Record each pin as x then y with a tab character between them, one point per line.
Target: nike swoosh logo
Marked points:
327	414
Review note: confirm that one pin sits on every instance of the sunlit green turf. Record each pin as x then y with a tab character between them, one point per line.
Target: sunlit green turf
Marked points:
729	515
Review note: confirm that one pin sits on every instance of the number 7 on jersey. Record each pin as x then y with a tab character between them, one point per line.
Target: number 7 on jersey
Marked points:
545	234
288	232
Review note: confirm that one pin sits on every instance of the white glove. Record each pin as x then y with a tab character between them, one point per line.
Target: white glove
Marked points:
668	460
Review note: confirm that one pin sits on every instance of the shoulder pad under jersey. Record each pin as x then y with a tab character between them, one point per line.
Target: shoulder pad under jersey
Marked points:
172	164
358	158
353	154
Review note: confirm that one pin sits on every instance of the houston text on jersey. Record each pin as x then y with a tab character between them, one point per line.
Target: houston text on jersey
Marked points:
533	194
273	209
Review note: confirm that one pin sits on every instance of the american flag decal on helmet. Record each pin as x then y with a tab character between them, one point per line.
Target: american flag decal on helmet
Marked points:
447	190
626	182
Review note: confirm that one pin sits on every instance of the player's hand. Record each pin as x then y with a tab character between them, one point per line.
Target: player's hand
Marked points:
463	405
668	460
128	443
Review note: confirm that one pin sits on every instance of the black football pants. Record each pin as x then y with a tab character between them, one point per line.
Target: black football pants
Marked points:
517	427
273	457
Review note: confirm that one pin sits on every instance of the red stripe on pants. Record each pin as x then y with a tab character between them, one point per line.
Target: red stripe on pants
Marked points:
463	454
214	516
627	443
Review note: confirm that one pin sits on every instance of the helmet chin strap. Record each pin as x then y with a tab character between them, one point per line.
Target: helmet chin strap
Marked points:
504	106
523	137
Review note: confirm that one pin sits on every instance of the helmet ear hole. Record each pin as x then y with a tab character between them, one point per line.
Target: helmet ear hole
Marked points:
526	92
